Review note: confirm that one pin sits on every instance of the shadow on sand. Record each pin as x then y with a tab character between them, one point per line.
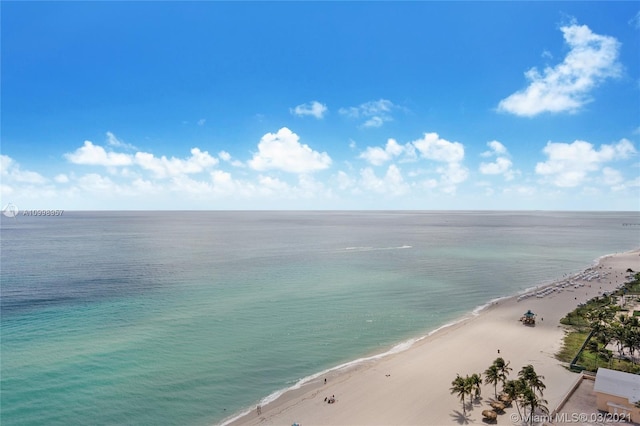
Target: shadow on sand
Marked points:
460	418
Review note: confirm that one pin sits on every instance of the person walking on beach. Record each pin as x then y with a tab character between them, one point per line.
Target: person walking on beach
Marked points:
259	410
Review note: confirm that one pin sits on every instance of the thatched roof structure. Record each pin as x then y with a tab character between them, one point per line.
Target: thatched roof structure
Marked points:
489	414
505	399
498	406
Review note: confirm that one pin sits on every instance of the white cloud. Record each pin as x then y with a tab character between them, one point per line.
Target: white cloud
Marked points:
272	186
569	164
61	178
202	121
520	190
635	21
435	148
378	156
495	148
432	147
196	188
392	183
611	176
226	157
112	140
221	178
451	176
283	151
165	167
93	182
310	188
11	172
565	88
161	167
313	108
374	122
344	181
95	155
375	113
502	164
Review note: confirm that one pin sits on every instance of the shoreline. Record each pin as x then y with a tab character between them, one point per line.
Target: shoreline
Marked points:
303	402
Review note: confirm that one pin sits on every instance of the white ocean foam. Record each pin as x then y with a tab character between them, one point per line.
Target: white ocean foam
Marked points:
481	308
400	347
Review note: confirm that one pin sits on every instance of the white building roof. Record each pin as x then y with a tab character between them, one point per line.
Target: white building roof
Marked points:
618	383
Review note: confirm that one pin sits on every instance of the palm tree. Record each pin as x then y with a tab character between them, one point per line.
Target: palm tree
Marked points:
533	402
459	387
617	333
492	376
469	388
514	388
631	338
475	381
532	380
503	367
600	320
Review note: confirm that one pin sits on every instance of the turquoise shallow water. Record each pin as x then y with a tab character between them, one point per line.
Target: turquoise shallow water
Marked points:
190	317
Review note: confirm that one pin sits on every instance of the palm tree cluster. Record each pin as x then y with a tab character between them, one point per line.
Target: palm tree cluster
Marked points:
497	373
463	386
624	331
526	390
606	328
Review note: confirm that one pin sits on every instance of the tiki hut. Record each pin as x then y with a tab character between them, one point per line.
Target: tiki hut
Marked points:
489	415
497	406
505	399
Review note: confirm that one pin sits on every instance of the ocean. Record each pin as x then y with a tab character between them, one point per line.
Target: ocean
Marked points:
189	318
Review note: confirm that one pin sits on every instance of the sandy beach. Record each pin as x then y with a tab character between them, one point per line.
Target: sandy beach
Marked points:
412	387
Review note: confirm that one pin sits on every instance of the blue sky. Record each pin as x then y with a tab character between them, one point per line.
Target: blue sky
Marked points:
321	105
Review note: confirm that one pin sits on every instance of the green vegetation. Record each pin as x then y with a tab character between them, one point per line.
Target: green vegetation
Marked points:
526	391
608	325
492	377
634	287
572	343
462	387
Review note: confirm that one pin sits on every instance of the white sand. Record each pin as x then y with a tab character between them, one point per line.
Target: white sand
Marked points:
412	387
